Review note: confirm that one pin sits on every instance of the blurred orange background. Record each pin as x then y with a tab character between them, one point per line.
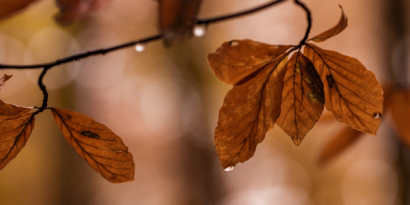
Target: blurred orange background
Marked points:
164	104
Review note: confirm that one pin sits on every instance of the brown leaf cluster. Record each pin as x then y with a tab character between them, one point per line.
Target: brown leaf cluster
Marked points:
103	150
269	88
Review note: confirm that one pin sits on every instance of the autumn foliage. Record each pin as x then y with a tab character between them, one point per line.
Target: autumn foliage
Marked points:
283	85
287	85
103	150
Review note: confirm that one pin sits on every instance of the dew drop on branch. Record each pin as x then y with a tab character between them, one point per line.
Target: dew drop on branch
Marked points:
199	30
228	169
140	47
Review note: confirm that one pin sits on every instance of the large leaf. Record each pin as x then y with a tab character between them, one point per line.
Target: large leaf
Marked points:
98	145
333	31
248	112
352	93
302	98
237	59
177	18
11	7
16	124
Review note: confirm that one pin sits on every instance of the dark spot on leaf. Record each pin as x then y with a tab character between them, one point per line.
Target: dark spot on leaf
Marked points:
90	134
330	81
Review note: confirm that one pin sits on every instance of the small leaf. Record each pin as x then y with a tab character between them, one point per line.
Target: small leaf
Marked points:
400	109
12	7
237	59
353	94
16	124
106	153
333	31
338	143
302	98
4	79
177	18
248	112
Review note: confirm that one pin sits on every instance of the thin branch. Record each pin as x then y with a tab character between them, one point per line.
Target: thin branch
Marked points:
80	56
44	90
76	57
309	19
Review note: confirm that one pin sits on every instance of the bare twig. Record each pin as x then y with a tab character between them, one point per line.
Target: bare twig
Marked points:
207	21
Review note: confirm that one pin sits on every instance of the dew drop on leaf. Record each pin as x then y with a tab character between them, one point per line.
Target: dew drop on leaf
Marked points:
377	116
140	47
228	169
199	30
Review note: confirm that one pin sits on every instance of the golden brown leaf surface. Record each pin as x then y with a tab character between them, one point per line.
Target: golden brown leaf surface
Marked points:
352	93
248	112
98	145
11	7
16	124
177	18
237	59
302	98
348	136
401	114
338	143
333	31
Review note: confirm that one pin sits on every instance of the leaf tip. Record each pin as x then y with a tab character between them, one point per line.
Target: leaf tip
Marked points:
297	141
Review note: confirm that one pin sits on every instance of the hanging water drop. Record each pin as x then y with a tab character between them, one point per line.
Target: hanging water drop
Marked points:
228	169
140	47
199	30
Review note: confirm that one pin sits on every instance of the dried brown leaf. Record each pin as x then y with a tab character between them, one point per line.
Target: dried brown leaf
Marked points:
338	143
400	110
103	150
302	98
4	79
248	112
348	136
237	59
352	93
16	124
177	18
333	31
12	7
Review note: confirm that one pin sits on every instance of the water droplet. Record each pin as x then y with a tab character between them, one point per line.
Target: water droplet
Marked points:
140	47
233	43
199	30
377	116
228	169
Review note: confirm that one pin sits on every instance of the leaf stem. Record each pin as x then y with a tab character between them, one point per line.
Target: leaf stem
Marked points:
44	90
309	19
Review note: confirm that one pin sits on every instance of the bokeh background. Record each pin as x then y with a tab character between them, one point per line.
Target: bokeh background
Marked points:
164	104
